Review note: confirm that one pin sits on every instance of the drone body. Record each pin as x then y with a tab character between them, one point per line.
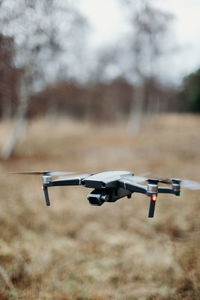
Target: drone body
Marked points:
109	186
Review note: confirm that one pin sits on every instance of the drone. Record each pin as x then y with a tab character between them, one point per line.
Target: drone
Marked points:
110	186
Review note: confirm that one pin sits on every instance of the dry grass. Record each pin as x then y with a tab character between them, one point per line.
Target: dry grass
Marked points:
74	251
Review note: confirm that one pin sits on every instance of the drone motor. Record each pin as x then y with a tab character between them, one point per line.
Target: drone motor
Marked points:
176	187
152	188
46	179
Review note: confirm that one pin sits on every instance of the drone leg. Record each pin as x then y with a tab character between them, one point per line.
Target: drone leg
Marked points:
46	194
151	207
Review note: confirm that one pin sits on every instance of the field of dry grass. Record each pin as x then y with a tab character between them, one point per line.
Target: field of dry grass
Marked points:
72	250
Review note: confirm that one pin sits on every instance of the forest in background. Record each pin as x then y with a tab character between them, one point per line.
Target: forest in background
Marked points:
95	100
121	81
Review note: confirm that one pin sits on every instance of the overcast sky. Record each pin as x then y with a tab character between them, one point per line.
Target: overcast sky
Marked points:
108	23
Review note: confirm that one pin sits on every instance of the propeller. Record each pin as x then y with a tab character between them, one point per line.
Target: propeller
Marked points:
193	185
56	173
189	184
140	179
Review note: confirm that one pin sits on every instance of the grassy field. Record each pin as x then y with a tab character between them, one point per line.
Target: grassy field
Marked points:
72	250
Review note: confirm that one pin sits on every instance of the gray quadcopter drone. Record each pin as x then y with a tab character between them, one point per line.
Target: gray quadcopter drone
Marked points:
109	186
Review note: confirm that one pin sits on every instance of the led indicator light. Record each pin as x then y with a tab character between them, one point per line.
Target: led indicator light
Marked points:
154	198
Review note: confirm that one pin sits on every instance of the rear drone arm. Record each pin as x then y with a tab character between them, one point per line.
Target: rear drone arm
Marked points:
48	182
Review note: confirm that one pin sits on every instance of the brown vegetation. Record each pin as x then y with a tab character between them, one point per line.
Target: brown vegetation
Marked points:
74	251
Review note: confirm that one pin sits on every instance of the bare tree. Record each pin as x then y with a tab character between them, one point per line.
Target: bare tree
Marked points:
42	30
8	77
149	26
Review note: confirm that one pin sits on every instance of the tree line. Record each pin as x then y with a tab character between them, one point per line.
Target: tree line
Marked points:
95	100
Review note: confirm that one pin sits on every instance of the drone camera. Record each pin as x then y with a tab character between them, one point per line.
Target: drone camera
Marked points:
97	199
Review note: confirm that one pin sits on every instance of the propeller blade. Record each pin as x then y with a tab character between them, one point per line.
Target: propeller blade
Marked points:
145	174
165	180
56	173
30	172
189	184
139	179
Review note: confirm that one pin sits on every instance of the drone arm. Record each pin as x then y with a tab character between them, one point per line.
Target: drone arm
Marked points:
73	180
138	188
165	190
56	183
132	186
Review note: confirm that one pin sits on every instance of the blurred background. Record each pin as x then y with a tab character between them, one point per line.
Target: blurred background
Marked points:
89	86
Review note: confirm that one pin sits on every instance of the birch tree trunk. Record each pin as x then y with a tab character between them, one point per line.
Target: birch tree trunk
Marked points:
20	120
136	114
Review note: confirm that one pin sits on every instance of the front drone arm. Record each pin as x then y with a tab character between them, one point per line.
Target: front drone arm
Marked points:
132	187
151	190
175	190
153	197
165	190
